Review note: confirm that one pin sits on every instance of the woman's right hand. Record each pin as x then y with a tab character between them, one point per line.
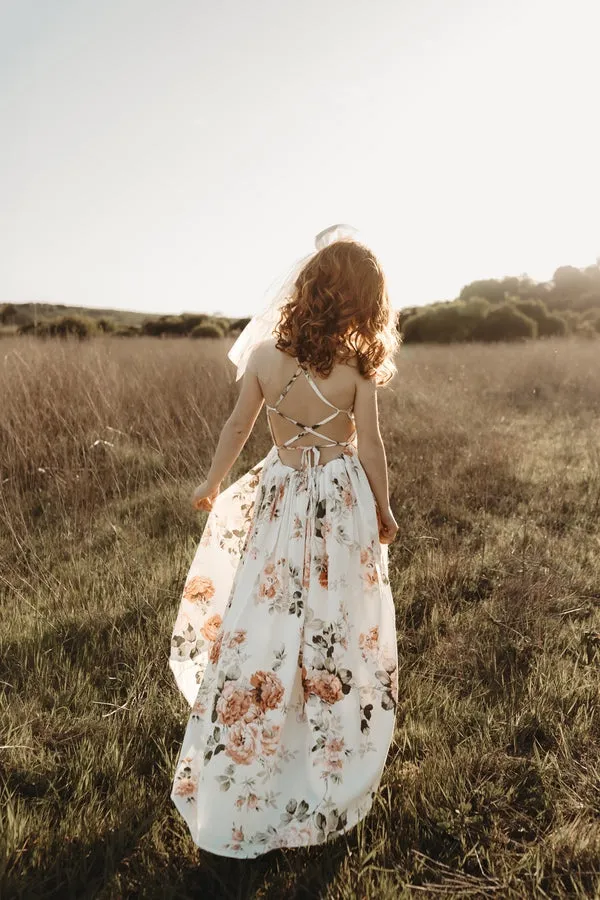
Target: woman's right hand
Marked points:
388	527
205	495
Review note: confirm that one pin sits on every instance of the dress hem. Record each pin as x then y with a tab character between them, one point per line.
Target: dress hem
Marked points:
364	812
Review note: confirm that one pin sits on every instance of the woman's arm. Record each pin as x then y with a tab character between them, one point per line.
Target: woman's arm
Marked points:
234	435
371	453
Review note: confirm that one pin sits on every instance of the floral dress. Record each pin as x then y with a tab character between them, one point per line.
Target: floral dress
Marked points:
285	648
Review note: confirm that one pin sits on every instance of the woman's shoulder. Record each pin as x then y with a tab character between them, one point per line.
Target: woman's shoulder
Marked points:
352	372
266	356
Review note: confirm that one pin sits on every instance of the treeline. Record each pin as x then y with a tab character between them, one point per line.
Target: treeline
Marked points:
511	309
504	309
195	325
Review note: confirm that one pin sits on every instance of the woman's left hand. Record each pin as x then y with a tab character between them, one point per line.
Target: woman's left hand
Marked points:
205	495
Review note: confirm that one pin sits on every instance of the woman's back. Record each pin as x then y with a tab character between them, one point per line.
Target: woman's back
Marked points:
302	403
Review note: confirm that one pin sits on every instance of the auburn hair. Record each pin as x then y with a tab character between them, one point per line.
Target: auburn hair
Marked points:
340	310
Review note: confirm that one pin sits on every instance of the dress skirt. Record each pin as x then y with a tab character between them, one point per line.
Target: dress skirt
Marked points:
285	648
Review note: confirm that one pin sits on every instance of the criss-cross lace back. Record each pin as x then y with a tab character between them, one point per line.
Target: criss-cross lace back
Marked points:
310	452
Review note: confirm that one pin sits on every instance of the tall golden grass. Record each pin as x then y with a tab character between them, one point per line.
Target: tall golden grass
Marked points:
492	786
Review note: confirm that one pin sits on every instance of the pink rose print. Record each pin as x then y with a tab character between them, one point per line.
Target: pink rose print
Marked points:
326	685
334	745
369	641
270	584
348	498
234	703
324	573
243	742
238	637
199	588
215	650
367	559
251	801
270	739
211	627
185	787
269	689
199	708
237	838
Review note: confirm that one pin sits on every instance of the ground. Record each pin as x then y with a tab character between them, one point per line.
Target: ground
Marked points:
492	786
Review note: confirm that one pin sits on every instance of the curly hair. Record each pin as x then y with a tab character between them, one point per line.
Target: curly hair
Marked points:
340	310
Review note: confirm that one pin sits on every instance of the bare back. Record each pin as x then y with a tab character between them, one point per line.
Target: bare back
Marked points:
301	403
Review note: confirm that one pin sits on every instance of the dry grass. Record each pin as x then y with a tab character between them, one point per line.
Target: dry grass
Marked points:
492	787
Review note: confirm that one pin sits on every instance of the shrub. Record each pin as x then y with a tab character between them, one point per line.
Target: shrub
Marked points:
222	322
531	307
445	322
570	318
207	330
553	326
8	314
26	327
164	325
127	331
105	325
548	324
505	323
78	326
63	326
490	288
190	320
587	330
238	325
591	315
590	300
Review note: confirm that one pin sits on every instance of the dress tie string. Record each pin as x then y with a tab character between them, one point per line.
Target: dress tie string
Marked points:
309	457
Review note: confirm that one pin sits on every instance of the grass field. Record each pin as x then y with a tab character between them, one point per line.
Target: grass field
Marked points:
492	787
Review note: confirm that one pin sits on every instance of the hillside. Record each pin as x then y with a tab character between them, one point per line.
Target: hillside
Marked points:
46	311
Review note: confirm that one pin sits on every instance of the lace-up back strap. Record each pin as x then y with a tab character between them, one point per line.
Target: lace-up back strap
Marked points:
308	429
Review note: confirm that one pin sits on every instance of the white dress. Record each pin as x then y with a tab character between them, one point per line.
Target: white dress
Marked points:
285	648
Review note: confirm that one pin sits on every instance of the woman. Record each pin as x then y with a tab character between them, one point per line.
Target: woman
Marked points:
285	641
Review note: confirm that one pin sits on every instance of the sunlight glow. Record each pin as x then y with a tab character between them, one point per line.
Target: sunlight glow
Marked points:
183	164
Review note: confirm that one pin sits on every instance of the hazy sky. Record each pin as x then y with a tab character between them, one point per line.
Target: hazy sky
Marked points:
176	155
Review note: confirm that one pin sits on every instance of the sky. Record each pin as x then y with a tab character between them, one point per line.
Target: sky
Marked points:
177	155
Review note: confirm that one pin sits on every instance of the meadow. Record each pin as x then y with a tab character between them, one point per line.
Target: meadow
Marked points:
492	785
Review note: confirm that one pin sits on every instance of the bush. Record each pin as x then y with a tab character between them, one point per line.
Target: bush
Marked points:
437	324
105	325
162	325
570	318
587	330
531	307
26	327
490	288
548	324
78	326
8	314
505	323
207	330
63	326
190	320
590	300
445	322
238	325
127	331
221	322
553	326
593	316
